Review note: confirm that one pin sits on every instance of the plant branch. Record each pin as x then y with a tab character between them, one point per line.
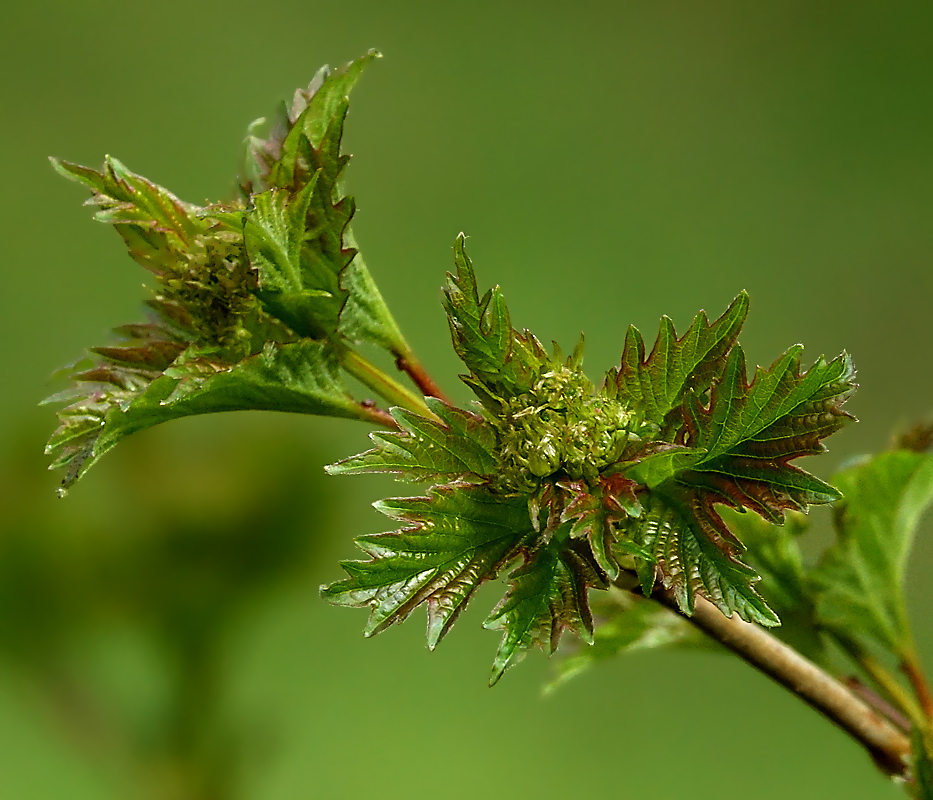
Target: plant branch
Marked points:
889	748
370	412
914	672
409	364
391	390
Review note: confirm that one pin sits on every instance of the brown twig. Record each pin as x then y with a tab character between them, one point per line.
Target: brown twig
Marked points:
889	748
378	416
914	672
413	369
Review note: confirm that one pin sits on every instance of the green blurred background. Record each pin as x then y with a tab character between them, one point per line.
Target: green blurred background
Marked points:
611	162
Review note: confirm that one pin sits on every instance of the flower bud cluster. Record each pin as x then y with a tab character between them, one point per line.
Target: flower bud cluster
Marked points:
560	426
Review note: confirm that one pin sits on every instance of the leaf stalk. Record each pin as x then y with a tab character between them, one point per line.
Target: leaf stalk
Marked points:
370	375
408	363
912	668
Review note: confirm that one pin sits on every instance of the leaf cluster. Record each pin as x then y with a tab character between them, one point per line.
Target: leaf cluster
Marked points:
258	303
581	485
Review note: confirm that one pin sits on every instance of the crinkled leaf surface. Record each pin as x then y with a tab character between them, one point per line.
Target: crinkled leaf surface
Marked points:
454	540
329	288
656	385
548	595
301	377
502	362
860	578
459	446
595	514
736	452
696	554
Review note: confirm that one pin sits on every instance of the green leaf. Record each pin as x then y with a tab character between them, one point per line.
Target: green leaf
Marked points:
313	116
459	447
503	363
455	540
335	290
749	433
125	198
598	514
656	385
735	451
781	415
302	291
270	160
860	578
301	377
696	554
548	595
626	623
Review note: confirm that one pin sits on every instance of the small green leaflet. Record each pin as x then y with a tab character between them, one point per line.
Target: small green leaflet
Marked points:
656	385
502	362
322	285
459	447
749	432
696	554
547	596
860	578
782	414
302	377
125	198
596	514
454	540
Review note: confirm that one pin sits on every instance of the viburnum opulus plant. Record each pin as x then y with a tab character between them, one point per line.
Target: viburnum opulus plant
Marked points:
562	485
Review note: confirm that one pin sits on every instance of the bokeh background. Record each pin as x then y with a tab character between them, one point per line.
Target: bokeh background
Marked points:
611	162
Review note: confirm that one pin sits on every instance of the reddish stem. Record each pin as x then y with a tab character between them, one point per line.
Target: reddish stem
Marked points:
413	369
914	673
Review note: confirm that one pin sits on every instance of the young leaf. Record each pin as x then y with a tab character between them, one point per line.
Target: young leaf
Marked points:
461	446
656	385
301	377
860	578
456	539
696	554
503	363
548	595
597	513
275	162
736	452
779	416
335	290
